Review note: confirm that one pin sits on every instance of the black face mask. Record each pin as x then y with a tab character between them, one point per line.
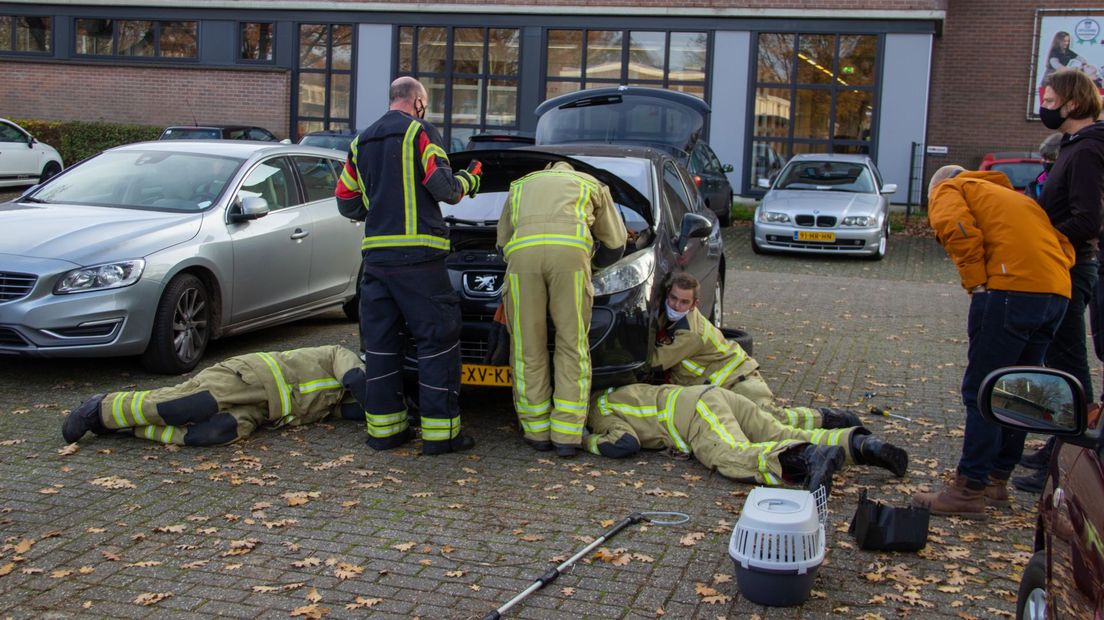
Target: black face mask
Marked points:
419	109
1047	165
1052	119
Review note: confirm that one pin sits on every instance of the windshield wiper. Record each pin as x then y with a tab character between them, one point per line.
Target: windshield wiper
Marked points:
33	200
452	219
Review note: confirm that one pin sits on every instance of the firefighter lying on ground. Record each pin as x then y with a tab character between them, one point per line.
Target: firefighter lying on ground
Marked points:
227	401
729	433
692	351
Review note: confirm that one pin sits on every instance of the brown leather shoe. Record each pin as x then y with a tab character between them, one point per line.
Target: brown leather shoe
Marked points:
954	500
996	493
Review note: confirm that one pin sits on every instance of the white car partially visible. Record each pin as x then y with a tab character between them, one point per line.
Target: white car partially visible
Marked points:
23	159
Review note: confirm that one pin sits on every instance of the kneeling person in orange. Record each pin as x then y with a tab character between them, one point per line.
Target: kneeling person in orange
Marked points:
547	233
731	434
227	401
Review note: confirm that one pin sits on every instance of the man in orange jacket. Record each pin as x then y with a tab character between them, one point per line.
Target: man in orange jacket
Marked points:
1015	266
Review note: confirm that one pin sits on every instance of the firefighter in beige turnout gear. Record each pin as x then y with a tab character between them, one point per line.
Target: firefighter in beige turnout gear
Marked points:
547	233
729	433
692	351
227	401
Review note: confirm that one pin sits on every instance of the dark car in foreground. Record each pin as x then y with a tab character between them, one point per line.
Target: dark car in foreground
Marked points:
218	132
1065	576
665	119
670	230
1021	168
498	140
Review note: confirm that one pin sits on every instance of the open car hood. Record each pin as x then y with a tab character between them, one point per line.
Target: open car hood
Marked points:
504	166
623	115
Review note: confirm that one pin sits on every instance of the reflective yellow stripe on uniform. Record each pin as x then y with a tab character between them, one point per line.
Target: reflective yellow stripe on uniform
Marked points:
440	429
527	241
117	410
281	384
534	426
570	405
329	383
351	184
695	369
381	425
167	435
567	428
722	374
136	408
410	203
582	344
718	429
395	241
668	416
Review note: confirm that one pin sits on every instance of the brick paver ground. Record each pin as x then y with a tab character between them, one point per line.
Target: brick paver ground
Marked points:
311	522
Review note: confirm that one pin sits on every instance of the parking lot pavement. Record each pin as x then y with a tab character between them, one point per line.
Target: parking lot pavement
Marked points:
309	522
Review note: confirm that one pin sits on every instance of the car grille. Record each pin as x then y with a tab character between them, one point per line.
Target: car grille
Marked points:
838	244
10	338
15	285
820	221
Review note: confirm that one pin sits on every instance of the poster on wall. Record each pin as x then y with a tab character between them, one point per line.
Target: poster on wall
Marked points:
1067	38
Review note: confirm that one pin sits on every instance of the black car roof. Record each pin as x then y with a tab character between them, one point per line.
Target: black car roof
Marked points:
585	97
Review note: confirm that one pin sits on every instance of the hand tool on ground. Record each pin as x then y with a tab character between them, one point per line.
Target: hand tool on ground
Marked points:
553	573
882	411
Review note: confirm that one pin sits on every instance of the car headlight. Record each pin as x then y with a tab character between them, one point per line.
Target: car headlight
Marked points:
858	220
100	277
774	217
625	274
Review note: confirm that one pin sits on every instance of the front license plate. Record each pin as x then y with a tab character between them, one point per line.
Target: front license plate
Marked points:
806	235
483	374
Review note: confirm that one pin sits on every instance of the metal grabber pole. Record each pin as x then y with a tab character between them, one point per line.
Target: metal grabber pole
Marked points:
553	573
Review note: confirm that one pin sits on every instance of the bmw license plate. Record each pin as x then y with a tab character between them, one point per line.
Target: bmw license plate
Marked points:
484	374
816	236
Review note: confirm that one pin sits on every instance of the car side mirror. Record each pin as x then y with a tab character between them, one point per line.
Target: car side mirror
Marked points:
763	183
1038	400
694	226
889	188
248	208
727	168
285	141
31	141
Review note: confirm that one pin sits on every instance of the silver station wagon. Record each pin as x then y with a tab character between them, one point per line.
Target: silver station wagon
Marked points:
154	249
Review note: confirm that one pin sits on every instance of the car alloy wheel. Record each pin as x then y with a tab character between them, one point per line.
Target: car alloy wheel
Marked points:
181	327
49	171
1031	601
716	314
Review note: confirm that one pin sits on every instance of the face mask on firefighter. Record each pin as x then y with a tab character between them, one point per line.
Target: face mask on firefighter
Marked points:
419	108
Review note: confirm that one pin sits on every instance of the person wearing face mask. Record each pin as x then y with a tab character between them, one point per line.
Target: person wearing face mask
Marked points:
692	351
1073	198
1048	150
395	175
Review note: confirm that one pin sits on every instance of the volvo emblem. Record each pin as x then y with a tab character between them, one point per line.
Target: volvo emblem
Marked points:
482	284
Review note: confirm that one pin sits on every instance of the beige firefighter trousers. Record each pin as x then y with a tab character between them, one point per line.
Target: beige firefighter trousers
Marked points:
755	389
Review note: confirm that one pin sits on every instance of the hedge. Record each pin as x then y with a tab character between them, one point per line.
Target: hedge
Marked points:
77	140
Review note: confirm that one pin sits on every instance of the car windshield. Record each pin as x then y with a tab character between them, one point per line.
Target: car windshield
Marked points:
337	143
157	180
835	176
1020	173
190	133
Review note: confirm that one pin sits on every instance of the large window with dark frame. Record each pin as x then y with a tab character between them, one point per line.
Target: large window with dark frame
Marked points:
578	59
25	34
814	93
141	38
324	84
470	74
256	41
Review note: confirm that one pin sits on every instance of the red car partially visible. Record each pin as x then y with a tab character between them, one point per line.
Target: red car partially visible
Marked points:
1020	167
1065	577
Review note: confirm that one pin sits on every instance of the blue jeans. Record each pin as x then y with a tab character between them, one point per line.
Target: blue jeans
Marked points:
1005	329
1068	352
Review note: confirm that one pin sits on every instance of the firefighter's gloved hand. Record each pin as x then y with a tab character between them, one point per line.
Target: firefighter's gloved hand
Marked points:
498	346
473	175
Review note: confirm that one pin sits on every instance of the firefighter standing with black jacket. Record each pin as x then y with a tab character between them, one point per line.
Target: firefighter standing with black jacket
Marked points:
553	222
394	177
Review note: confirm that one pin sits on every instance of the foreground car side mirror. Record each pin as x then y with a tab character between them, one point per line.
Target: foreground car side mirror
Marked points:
1038	400
249	208
694	226
889	188
764	183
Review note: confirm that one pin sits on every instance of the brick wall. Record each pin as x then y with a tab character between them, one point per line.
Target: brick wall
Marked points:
981	76
146	95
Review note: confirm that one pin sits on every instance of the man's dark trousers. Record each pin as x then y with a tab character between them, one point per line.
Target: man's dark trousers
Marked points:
419	294
1005	328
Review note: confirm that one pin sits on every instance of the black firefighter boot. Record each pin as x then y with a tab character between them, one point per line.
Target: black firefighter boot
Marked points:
83	418
813	464
838	418
458	443
869	450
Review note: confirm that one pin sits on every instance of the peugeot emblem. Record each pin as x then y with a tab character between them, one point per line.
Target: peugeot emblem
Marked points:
482	284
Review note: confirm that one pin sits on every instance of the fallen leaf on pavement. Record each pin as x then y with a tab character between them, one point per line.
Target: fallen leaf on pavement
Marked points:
151	598
363	603
311	612
113	482
69	450
691	539
345	570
